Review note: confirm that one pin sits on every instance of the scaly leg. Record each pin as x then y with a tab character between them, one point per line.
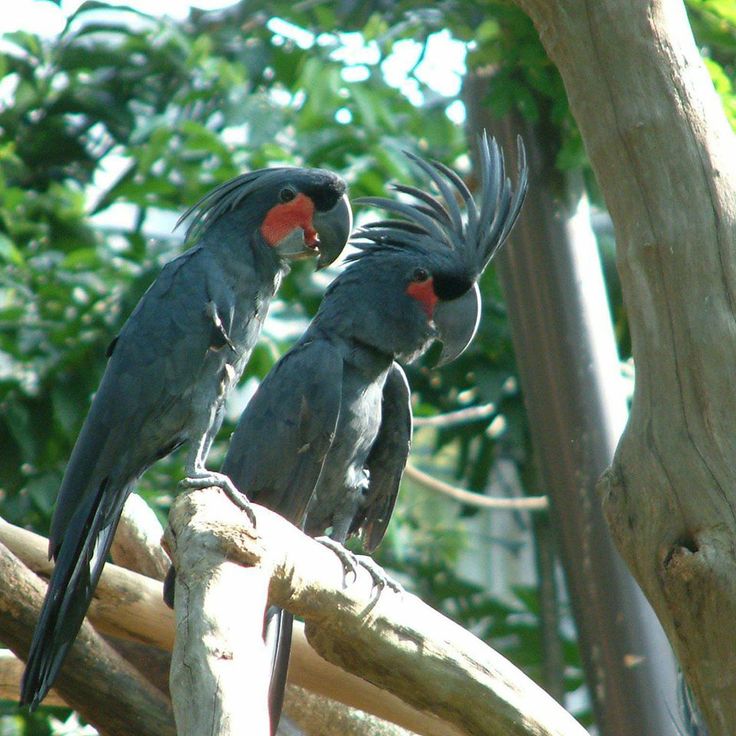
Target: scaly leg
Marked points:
198	476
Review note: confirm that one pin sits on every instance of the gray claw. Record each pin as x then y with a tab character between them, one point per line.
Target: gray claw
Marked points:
380	578
351	562
348	560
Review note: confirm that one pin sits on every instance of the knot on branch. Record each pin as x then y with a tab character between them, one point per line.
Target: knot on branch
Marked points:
219	527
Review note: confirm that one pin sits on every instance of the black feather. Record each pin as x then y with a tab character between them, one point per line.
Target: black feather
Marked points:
432	223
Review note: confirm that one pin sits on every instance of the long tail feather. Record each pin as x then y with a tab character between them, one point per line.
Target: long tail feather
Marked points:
277	634
79	564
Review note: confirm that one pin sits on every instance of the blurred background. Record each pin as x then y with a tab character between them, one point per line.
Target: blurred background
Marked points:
115	118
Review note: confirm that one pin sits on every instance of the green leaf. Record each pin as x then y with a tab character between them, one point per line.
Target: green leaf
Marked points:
9	251
81	258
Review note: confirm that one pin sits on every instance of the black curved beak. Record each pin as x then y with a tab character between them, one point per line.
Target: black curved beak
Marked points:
457	322
333	228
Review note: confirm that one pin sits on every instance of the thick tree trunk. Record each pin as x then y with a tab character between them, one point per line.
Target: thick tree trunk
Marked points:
665	159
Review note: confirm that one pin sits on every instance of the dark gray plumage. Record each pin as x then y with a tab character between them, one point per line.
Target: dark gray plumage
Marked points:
325	438
473	239
182	349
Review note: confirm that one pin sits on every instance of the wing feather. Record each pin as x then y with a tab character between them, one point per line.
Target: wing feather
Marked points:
387	460
278	449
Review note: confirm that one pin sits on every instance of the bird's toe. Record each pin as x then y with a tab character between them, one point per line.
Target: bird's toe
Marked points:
381	579
348	560
212	479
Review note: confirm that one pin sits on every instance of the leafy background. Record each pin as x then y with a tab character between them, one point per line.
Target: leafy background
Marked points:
110	130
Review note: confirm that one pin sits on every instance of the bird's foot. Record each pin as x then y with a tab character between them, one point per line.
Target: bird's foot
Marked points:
348	560
208	478
381	579
351	562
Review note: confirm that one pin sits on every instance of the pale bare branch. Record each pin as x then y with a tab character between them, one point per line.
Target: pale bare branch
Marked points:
453	418
96	681
527	503
130	606
137	543
318	716
11	670
394	640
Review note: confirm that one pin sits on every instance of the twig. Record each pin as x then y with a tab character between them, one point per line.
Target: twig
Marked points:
461	416
423	53
527	503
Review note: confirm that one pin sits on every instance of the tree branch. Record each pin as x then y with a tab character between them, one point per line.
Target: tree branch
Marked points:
505	695
123	602
137	543
130	606
318	716
220	667
315	715
332	688
528	503
311	672
11	671
396	641
95	680
453	418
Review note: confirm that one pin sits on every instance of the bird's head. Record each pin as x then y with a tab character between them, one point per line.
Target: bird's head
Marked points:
296	212
423	270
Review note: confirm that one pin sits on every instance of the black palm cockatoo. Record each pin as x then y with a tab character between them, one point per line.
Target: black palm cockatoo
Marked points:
181	350
325	438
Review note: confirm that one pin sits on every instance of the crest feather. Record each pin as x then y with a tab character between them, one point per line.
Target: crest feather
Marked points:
473	233
224	198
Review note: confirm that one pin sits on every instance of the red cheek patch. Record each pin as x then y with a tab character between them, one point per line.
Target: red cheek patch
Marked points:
423	292
283	218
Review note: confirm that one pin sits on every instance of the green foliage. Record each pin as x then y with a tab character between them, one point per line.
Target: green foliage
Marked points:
714	26
156	101
725	88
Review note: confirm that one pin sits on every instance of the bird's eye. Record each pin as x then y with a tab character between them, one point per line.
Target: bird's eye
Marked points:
287	194
420	274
